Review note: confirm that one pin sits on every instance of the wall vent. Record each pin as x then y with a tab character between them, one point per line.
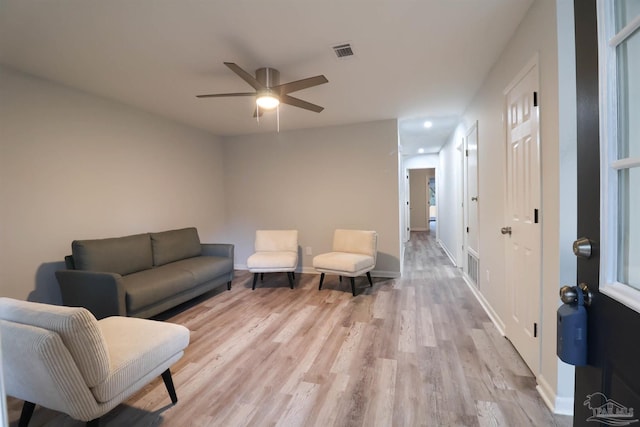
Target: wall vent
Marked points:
472	268
343	50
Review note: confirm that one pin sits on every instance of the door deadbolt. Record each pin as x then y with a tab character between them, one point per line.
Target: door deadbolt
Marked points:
506	230
582	248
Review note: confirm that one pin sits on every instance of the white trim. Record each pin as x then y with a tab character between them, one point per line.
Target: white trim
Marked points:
624	34
310	270
609	161
495	319
628	163
446	251
622	293
557	405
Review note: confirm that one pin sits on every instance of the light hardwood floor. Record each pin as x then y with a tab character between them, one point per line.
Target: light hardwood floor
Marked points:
416	351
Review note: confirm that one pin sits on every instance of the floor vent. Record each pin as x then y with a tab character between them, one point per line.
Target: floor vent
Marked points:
472	268
343	50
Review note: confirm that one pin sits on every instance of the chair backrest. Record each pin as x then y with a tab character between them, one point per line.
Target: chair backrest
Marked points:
356	241
77	328
276	241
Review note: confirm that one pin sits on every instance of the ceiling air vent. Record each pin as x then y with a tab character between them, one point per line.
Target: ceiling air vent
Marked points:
343	50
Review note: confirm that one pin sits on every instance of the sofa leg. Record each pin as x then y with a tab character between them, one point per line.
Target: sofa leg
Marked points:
255	279
369	277
340	279
229	285
262	277
321	280
168	382
94	423
27	412
353	286
290	277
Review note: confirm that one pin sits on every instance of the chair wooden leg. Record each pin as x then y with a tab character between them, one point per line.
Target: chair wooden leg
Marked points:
27	412
321	280
369	277
262	277
290	277
94	423
229	285
340	278
168	382
353	286
255	279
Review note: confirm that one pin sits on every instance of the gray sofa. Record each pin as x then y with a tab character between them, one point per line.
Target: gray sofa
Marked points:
143	274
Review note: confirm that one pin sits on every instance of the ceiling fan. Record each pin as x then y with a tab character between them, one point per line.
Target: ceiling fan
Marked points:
269	92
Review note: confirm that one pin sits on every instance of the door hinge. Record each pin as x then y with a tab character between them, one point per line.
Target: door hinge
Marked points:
467	229
466	153
535	330
535	99
535	216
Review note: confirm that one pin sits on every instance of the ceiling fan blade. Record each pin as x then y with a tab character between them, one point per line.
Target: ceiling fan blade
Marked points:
290	100
219	95
255	113
245	76
285	88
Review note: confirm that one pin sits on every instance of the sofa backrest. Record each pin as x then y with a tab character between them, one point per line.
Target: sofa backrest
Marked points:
122	255
174	245
77	328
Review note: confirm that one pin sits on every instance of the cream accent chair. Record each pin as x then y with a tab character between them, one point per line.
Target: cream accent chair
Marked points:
354	253
275	251
64	359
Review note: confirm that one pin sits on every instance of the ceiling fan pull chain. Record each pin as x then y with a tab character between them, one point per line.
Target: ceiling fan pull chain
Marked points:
258	113
278	118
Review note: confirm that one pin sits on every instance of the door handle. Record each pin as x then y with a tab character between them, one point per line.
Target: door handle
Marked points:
506	230
569	294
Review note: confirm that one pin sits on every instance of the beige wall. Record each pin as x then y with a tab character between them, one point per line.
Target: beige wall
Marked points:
315	181
75	166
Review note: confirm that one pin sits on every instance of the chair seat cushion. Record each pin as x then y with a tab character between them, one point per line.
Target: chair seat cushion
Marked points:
343	263
136	347
272	261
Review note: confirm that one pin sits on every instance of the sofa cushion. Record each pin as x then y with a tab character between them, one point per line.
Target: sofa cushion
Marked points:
151	286
122	255
174	245
205	268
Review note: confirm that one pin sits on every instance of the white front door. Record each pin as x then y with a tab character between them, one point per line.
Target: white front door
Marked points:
523	229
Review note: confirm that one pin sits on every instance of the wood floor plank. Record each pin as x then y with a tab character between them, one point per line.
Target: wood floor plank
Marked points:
413	351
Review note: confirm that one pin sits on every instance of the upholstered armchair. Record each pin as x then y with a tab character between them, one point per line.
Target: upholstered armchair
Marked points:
353	253
64	359
275	251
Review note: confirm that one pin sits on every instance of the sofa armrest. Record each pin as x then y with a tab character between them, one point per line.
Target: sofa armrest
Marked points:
218	249
101	293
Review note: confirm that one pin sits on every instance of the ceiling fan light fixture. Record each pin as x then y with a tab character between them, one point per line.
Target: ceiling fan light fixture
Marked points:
267	101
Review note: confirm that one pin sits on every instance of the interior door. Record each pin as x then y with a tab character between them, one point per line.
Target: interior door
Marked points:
523	229
607	391
471	201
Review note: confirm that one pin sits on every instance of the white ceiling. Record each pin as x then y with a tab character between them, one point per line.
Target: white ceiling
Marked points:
414	60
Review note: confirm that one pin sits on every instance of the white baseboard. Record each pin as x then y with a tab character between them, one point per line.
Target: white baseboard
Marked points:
446	251
557	405
495	319
311	270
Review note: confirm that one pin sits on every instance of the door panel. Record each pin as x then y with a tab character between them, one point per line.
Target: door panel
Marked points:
523	200
613	374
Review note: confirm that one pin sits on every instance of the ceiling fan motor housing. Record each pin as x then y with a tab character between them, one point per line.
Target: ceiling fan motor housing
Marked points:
269	77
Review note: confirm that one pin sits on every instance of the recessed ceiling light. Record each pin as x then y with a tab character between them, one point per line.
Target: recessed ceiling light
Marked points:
420	150
428	124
